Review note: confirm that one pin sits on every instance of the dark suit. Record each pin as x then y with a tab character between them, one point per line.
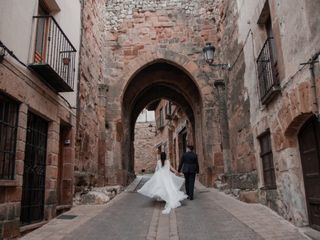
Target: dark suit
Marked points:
190	167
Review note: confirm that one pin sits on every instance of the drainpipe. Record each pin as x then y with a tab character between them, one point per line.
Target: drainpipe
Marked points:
224	125
315	105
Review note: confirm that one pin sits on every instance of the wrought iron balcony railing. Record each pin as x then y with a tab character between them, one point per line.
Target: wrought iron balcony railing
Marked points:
267	72
54	55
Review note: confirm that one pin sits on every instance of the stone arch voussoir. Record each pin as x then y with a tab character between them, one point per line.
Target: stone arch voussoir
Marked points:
168	56
297	122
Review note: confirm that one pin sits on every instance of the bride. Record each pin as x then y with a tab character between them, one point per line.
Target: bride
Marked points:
165	185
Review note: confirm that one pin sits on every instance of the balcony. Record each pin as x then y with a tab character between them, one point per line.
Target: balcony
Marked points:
268	73
54	55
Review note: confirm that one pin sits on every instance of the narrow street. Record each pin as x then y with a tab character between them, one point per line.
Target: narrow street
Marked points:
211	215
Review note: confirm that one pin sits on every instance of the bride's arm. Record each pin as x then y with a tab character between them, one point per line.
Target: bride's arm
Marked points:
173	170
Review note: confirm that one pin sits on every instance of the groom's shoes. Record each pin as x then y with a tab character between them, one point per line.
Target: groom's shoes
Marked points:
190	198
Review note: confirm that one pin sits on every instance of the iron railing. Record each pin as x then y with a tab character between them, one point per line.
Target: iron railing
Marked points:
267	71
53	48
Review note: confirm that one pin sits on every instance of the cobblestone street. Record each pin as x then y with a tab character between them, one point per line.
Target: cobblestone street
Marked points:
212	215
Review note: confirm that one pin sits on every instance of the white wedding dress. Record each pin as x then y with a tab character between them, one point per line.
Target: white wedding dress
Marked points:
165	185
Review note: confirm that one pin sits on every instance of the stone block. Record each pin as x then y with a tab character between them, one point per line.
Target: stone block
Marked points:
52	159
11	229
218	159
3	212
68	171
10	212
52	172
19	163
2	194
50	197
249	197
14	194
306	103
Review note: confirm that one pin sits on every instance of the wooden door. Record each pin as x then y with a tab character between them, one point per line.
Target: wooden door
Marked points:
309	141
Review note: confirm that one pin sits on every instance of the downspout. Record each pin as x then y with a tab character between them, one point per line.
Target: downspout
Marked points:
314	93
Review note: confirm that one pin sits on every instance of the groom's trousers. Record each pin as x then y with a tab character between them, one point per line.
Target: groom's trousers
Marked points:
190	179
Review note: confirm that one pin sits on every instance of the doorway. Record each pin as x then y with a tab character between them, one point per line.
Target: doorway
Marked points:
309	142
33	189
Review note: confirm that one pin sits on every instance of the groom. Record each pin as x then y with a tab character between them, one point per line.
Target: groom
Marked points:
190	167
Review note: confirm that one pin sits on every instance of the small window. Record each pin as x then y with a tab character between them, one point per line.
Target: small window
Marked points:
267	63
8	136
168	109
267	161
161	120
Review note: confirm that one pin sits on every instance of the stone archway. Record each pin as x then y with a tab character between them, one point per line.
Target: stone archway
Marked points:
155	81
161	74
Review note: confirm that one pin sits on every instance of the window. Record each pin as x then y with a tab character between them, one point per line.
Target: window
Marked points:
168	110
161	121
267	161
41	34
8	136
267	62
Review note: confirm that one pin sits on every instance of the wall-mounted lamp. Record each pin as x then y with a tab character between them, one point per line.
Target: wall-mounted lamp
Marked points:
208	52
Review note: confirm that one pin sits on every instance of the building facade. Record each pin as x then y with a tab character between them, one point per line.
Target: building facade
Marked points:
254	126
39	57
169	131
273	103
174	131
148	51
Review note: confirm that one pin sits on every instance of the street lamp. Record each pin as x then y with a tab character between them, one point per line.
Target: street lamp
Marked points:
208	52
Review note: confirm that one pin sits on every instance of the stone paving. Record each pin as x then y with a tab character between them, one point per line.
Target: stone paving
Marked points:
211	215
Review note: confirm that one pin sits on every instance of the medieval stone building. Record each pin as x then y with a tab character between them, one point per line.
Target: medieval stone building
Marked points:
39	45
273	102
252	112
250	122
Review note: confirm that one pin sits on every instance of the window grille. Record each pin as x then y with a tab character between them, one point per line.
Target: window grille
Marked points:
8	136
267	161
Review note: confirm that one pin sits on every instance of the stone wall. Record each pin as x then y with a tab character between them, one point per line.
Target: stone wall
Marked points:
139	33
33	95
91	146
145	154
238	101
284	114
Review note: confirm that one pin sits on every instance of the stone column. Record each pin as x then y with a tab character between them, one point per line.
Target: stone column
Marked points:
224	124
52	169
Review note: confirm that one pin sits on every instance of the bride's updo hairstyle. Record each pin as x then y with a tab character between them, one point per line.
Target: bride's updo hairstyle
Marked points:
163	157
